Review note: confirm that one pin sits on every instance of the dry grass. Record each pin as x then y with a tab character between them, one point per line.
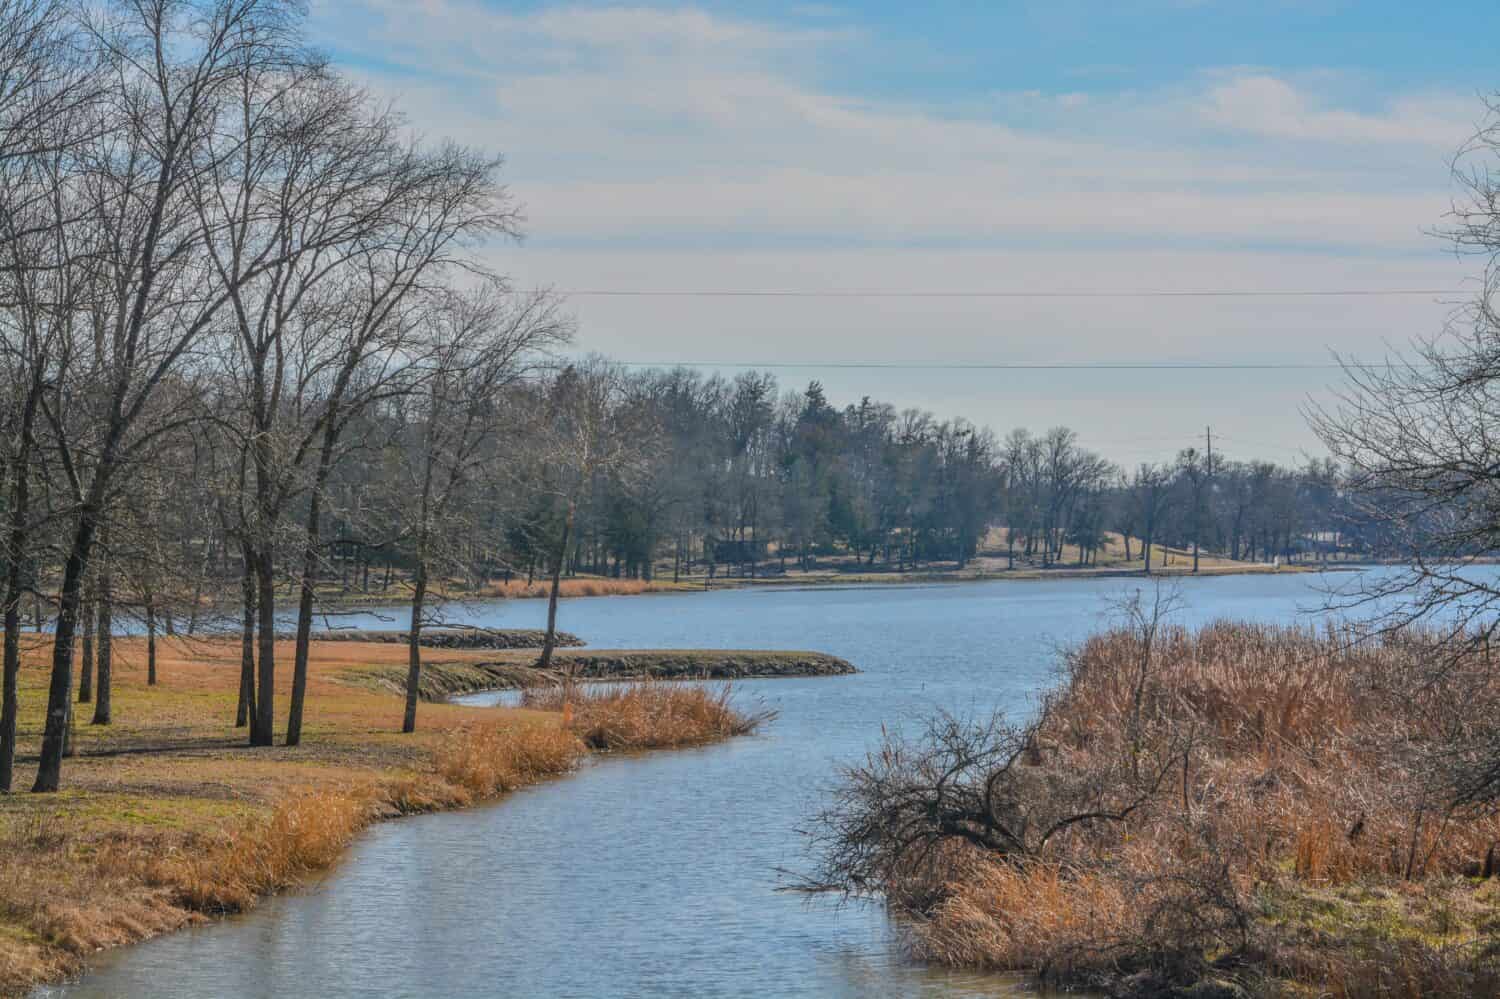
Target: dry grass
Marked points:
578	586
647	715
486	760
1295	834
304	834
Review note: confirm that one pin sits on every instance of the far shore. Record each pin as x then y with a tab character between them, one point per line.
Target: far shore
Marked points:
595	586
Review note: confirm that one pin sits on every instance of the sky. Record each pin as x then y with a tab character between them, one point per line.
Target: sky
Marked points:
1077	153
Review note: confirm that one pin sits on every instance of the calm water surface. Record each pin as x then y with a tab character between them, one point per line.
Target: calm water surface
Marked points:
657	875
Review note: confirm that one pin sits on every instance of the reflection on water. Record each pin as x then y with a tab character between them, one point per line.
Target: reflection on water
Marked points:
656	875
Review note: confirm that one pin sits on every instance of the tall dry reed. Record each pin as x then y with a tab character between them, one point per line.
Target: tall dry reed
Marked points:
1274	806
648	715
490	760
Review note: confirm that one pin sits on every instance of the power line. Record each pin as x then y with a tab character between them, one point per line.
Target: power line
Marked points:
1280	447
1207	293
1006	366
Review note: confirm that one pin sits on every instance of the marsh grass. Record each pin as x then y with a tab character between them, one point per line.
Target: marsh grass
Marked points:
1292	829
487	760
647	715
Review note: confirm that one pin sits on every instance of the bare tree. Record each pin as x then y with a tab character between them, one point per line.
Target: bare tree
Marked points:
172	63
1194	477
582	431
455	203
1152	494
483	343
1417	437
47	86
306	179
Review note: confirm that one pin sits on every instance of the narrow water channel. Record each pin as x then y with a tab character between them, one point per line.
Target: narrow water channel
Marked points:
657	875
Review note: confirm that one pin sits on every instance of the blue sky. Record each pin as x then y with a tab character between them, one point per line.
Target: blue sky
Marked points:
1061	146
960	51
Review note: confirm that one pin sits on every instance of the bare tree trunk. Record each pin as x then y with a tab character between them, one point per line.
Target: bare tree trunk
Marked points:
244	712
150	641
59	689
309	579
192	621
414	648
305	608
12	668
104	650
86	665
9	703
304	633
550	642
262	732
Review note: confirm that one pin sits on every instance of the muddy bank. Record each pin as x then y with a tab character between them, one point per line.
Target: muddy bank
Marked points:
450	637
517	670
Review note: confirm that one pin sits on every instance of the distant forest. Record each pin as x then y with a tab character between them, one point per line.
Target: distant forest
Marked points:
737	475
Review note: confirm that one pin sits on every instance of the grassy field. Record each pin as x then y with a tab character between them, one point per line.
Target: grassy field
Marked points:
167	818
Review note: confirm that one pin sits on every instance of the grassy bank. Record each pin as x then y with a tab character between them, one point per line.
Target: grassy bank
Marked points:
168	819
1238	811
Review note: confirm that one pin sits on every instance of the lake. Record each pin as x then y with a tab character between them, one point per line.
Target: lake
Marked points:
657	875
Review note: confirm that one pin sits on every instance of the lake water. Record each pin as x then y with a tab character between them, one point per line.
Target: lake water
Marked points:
657	875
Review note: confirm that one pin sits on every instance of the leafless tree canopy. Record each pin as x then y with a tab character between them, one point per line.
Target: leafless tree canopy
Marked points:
1417	436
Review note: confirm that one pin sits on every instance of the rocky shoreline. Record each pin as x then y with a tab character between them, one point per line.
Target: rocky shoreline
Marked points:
442	680
701	664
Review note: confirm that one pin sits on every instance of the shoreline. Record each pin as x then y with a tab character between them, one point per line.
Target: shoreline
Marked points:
1019	576
167	819
515	671
818	579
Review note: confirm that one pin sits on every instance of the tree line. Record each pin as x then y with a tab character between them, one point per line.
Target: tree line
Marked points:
739	476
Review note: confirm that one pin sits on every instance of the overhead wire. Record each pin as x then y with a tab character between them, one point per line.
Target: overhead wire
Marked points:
1002	293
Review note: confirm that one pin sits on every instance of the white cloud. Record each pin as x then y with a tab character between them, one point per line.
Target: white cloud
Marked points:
1267	105
631	133
649	123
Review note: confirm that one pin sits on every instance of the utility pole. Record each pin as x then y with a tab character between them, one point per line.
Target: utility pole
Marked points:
1206	495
